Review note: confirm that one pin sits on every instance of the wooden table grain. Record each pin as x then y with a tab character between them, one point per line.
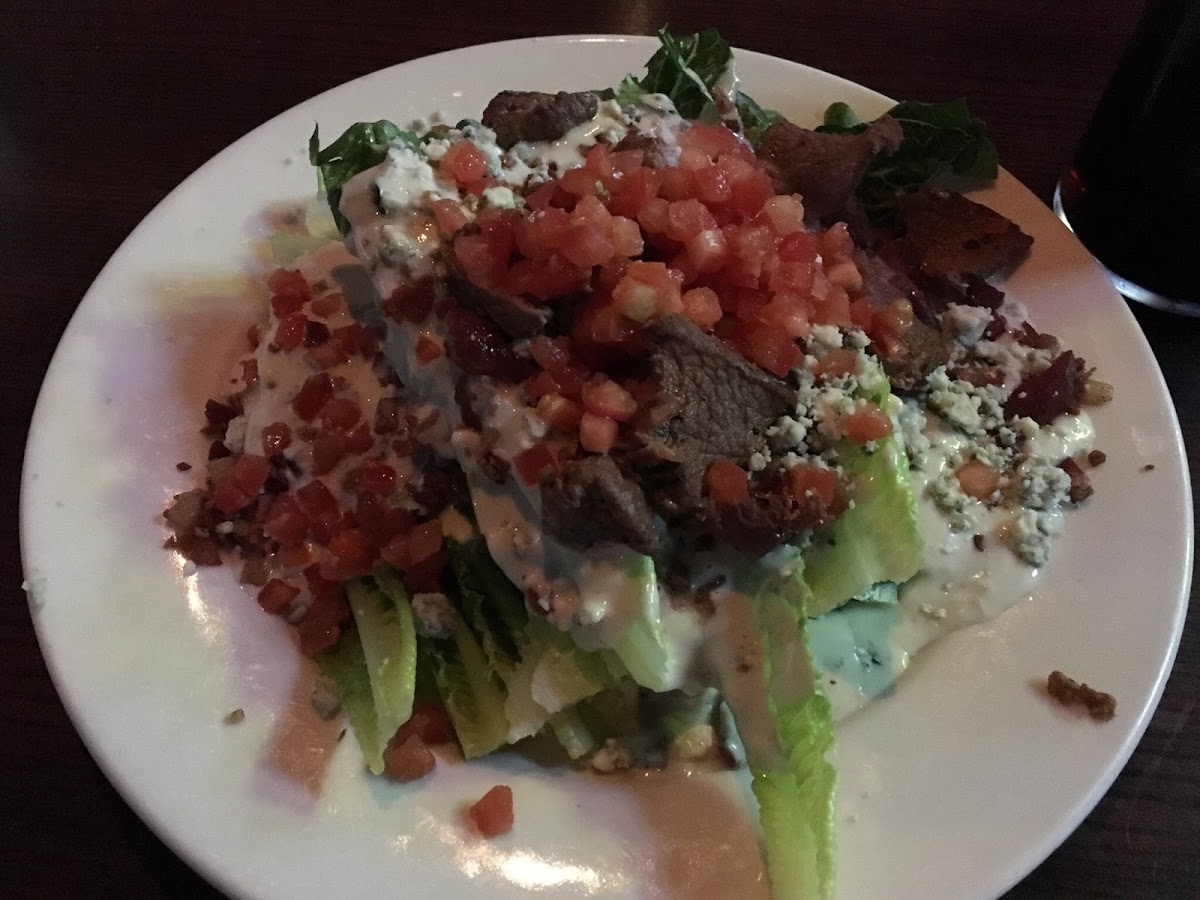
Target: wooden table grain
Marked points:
104	108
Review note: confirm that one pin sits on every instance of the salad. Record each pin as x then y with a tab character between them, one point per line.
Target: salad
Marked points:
645	421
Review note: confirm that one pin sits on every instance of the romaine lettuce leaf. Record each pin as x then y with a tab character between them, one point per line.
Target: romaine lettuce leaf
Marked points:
361	146
790	775
346	665
389	641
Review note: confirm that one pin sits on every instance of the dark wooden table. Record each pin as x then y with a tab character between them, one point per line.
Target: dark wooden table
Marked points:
104	111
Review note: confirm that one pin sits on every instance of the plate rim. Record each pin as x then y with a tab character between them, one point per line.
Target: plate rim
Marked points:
209	869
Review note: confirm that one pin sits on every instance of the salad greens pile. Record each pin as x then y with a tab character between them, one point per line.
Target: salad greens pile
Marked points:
504	675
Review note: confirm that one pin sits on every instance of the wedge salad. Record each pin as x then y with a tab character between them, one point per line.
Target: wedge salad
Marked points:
645	421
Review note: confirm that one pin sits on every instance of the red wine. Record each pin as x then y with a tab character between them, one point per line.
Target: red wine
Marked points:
1132	195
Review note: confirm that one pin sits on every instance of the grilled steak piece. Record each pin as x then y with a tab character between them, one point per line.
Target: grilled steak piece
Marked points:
534	116
593	502
824	168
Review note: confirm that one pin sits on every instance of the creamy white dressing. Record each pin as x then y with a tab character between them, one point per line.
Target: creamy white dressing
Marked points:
958	585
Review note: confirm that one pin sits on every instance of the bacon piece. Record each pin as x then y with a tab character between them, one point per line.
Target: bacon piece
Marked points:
1046	395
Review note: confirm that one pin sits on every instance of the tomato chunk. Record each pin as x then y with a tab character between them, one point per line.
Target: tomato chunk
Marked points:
807	481
409	760
597	434
728	483
867	423
429	721
276	596
239	487
492	814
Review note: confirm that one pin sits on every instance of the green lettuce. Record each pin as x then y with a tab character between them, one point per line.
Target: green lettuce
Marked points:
791	777
346	665
940	139
361	146
687	68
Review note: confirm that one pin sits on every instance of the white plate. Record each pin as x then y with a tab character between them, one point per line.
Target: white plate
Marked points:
954	788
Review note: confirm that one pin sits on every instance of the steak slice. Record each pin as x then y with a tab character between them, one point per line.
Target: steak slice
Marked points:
953	237
922	349
593	502
722	404
824	168
533	116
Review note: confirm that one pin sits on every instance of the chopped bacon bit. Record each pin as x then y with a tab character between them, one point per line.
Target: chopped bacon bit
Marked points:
1148	467
253	336
249	371
1081	485
340	412
980	293
315	333
979	541
1044	396
360	439
377	477
327	355
220	414
1069	692
408	760
492	815
1031	337
218	450
329	448
1096	458
996	327
182	466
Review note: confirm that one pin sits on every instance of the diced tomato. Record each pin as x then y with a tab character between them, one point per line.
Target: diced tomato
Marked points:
712	185
276	596
481	263
424	541
796	277
558	412
588	244
728	483
861	313
549	195
867	423
835	243
479	348
411	301
354	338
648	290
809	481
788	311
532	463
312	396
785	214
751	189
602	326
360	439
580	182
707	250
463	163
626	237
429	721
276	438
408	760
711	140
977	479
492	814
340	412
327	355
703	307
605	397
675	184
351	555
688	217
329	449
839	361
449	215
427	349
653	216
377	477
396	552
327	304
554	355
289	333
845	274
770	348
633	191
597	434
833	308
285	521
543	232
240	485
539	385
316	500
288	282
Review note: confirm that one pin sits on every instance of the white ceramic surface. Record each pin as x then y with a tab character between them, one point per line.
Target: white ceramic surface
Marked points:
954	787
